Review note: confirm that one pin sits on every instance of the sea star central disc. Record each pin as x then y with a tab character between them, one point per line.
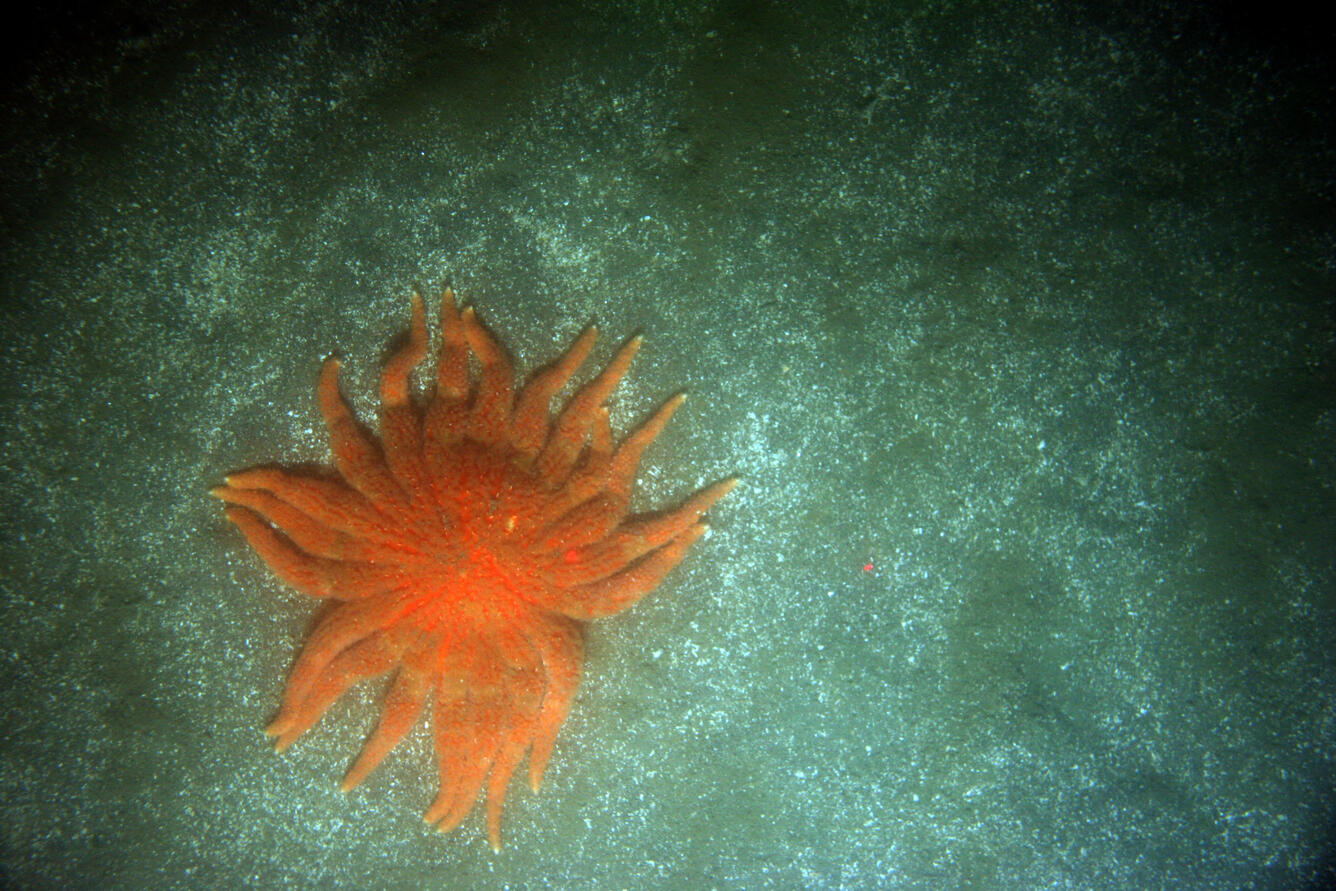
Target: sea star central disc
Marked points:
464	551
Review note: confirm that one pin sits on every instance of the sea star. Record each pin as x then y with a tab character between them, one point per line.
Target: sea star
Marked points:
465	550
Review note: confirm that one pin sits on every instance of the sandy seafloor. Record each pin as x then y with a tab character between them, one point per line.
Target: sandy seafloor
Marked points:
1017	321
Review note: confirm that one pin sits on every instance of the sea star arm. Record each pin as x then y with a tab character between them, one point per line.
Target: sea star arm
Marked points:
525	691
394	389
584	524
645	532
356	453
622	470
404	702
452	373
340	628
368	658
310	575
601	472
446	418
588	478
400	425
632	540
467	725
571	428
358	572
530	423
330	502
560	643
308	534
617	592
489	418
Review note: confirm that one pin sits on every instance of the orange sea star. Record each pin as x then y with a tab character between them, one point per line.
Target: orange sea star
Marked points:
464	550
